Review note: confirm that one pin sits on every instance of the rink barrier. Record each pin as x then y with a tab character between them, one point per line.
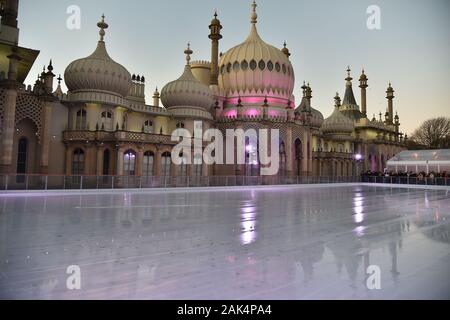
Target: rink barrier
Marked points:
61	182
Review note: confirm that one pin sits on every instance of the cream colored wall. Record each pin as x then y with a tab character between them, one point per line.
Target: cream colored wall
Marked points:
58	125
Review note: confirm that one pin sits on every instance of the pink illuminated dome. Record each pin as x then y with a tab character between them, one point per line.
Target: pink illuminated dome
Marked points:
254	70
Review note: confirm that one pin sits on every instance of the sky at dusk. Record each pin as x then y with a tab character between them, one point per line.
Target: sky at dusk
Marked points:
148	37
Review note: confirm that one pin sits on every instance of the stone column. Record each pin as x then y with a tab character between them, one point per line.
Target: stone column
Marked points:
305	159
157	164
100	155
119	162
46	134
9	116
139	161
68	160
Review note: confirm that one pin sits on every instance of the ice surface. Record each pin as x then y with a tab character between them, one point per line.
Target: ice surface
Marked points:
270	243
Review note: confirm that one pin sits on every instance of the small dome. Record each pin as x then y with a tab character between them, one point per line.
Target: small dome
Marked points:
98	72
187	91
337	123
317	118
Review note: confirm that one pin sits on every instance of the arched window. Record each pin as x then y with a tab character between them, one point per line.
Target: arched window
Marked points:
81	122
148	126
270	65
182	168
261	65
277	67
236	66
228	67
129	163
22	156
180	125
78	162
222	69
253	65
284	68
106	159
147	164
282	169
165	164
107	120
244	65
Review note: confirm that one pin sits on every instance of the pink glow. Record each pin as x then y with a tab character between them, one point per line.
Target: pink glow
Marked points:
231	113
273	113
259	101
252	112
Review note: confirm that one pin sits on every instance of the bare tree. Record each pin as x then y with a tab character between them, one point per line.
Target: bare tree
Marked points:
433	133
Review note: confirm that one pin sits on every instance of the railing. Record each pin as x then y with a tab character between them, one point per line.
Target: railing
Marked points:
437	181
60	182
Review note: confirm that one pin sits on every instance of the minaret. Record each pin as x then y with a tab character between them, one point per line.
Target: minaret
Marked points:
10	12
363	85
156	98
337	100
215	36
308	94
48	79
390	96
397	126
349	97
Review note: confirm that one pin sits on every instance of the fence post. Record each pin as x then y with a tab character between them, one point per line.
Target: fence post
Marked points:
97	182
6	182
26	182
112	182
81	183
46	182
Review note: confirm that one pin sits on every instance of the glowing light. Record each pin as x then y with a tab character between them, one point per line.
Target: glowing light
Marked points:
252	112
248	225
358	156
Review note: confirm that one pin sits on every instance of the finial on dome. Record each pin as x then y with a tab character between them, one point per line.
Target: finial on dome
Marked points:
349	77
59	79
50	66
337	100
188	53
215	13
102	25
254	14
285	50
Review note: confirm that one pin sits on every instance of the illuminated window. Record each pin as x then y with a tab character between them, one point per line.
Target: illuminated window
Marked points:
129	163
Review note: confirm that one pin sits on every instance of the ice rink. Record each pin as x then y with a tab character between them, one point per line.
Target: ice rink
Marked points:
310	242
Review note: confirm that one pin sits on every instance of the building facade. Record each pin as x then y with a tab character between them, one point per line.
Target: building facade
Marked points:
103	125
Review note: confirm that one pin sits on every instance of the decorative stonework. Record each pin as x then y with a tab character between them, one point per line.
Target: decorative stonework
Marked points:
29	106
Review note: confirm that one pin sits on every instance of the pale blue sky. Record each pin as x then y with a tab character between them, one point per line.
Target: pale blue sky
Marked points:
148	37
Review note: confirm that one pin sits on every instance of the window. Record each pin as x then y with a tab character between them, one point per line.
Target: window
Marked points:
22	156
277	67
165	164
107	120
228	67
261	65
270	65
78	162
253	65
180	125
106	159
236	66
129	163
222	69
81	120
148	126
244	65
147	164
284	68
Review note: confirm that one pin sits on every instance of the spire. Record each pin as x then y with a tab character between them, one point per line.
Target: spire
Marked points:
285	50
349	97
254	14
337	100
102	25
188	53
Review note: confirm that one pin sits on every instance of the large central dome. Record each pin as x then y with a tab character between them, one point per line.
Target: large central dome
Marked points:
257	69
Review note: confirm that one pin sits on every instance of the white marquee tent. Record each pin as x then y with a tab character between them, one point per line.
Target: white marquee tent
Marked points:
420	161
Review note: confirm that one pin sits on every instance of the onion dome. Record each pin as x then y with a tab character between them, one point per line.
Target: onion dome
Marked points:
98	77
337	123
257	69
187	91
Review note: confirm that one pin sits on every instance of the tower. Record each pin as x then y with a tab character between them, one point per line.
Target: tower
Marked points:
390	96
363	85
215	36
